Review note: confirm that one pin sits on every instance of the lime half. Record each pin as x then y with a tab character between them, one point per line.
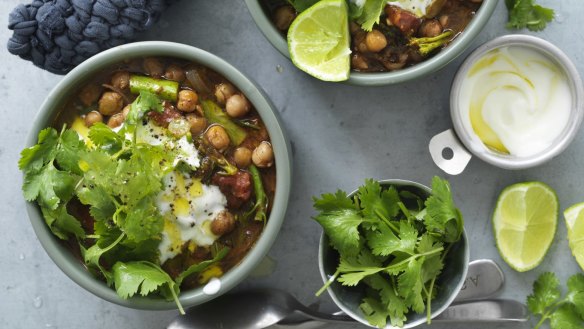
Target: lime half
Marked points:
318	41
575	222
525	221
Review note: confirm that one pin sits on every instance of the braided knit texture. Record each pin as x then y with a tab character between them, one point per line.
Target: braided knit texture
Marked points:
57	35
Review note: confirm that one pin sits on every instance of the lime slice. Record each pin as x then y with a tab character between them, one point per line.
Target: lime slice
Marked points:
525	222
575	222
318	41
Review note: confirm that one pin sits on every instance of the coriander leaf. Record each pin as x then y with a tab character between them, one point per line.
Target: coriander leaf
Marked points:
375	312
565	317
341	228
302	5
433	264
383	242
442	216
102	206
329	201
355	269
69	150
137	179
61	223
93	253
410	285
35	157
539	17
377	203
143	221
576	292
395	306
546	291
138	277
105	138
48	186
197	268
144	103
370	13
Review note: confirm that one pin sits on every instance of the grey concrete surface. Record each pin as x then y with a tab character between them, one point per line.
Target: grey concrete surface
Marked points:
340	134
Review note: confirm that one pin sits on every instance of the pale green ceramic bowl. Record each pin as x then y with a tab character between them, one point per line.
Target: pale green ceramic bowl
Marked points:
450	281
63	257
445	56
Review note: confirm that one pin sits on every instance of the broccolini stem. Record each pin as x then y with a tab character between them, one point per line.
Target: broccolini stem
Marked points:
427	45
166	89
214	114
261	203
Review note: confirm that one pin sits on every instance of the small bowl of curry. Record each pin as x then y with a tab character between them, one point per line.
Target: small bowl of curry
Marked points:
171	175
411	39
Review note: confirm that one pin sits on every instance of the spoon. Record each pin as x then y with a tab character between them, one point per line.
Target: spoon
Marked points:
258	309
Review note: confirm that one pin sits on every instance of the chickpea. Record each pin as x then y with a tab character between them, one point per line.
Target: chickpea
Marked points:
217	136
153	67
116	120
110	103
198	123
126	110
223	91
263	155
375	41
283	17
121	80
187	100
430	28
89	94
175	73
242	156
92	118
237	106
358	62
223	223
444	19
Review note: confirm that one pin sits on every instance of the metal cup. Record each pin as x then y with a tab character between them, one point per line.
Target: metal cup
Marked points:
451	280
464	142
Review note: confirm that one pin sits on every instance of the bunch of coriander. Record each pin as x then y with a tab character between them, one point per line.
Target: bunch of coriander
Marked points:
393	242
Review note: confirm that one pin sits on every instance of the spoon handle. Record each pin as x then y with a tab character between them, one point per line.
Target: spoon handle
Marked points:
484	279
495	311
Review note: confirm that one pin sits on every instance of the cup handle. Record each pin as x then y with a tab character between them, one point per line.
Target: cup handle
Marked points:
460	156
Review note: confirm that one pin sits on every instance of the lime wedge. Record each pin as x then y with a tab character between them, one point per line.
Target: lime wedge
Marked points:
318	41
575	222
525	222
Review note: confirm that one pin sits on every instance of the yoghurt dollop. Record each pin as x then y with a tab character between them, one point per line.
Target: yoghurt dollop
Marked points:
516	100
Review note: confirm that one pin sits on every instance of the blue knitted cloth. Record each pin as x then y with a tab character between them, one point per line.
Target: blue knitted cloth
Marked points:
57	35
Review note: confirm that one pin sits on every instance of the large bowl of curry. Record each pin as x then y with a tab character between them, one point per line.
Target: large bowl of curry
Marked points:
391	52
221	202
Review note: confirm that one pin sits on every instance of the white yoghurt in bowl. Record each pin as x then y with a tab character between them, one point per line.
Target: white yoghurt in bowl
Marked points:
516	100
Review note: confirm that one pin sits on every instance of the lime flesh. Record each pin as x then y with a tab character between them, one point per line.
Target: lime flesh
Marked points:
524	222
574	217
318	41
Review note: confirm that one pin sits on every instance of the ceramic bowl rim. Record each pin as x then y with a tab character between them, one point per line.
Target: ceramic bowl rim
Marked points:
456	48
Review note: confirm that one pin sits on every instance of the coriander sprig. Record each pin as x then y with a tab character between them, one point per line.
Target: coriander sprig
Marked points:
526	14
563	313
